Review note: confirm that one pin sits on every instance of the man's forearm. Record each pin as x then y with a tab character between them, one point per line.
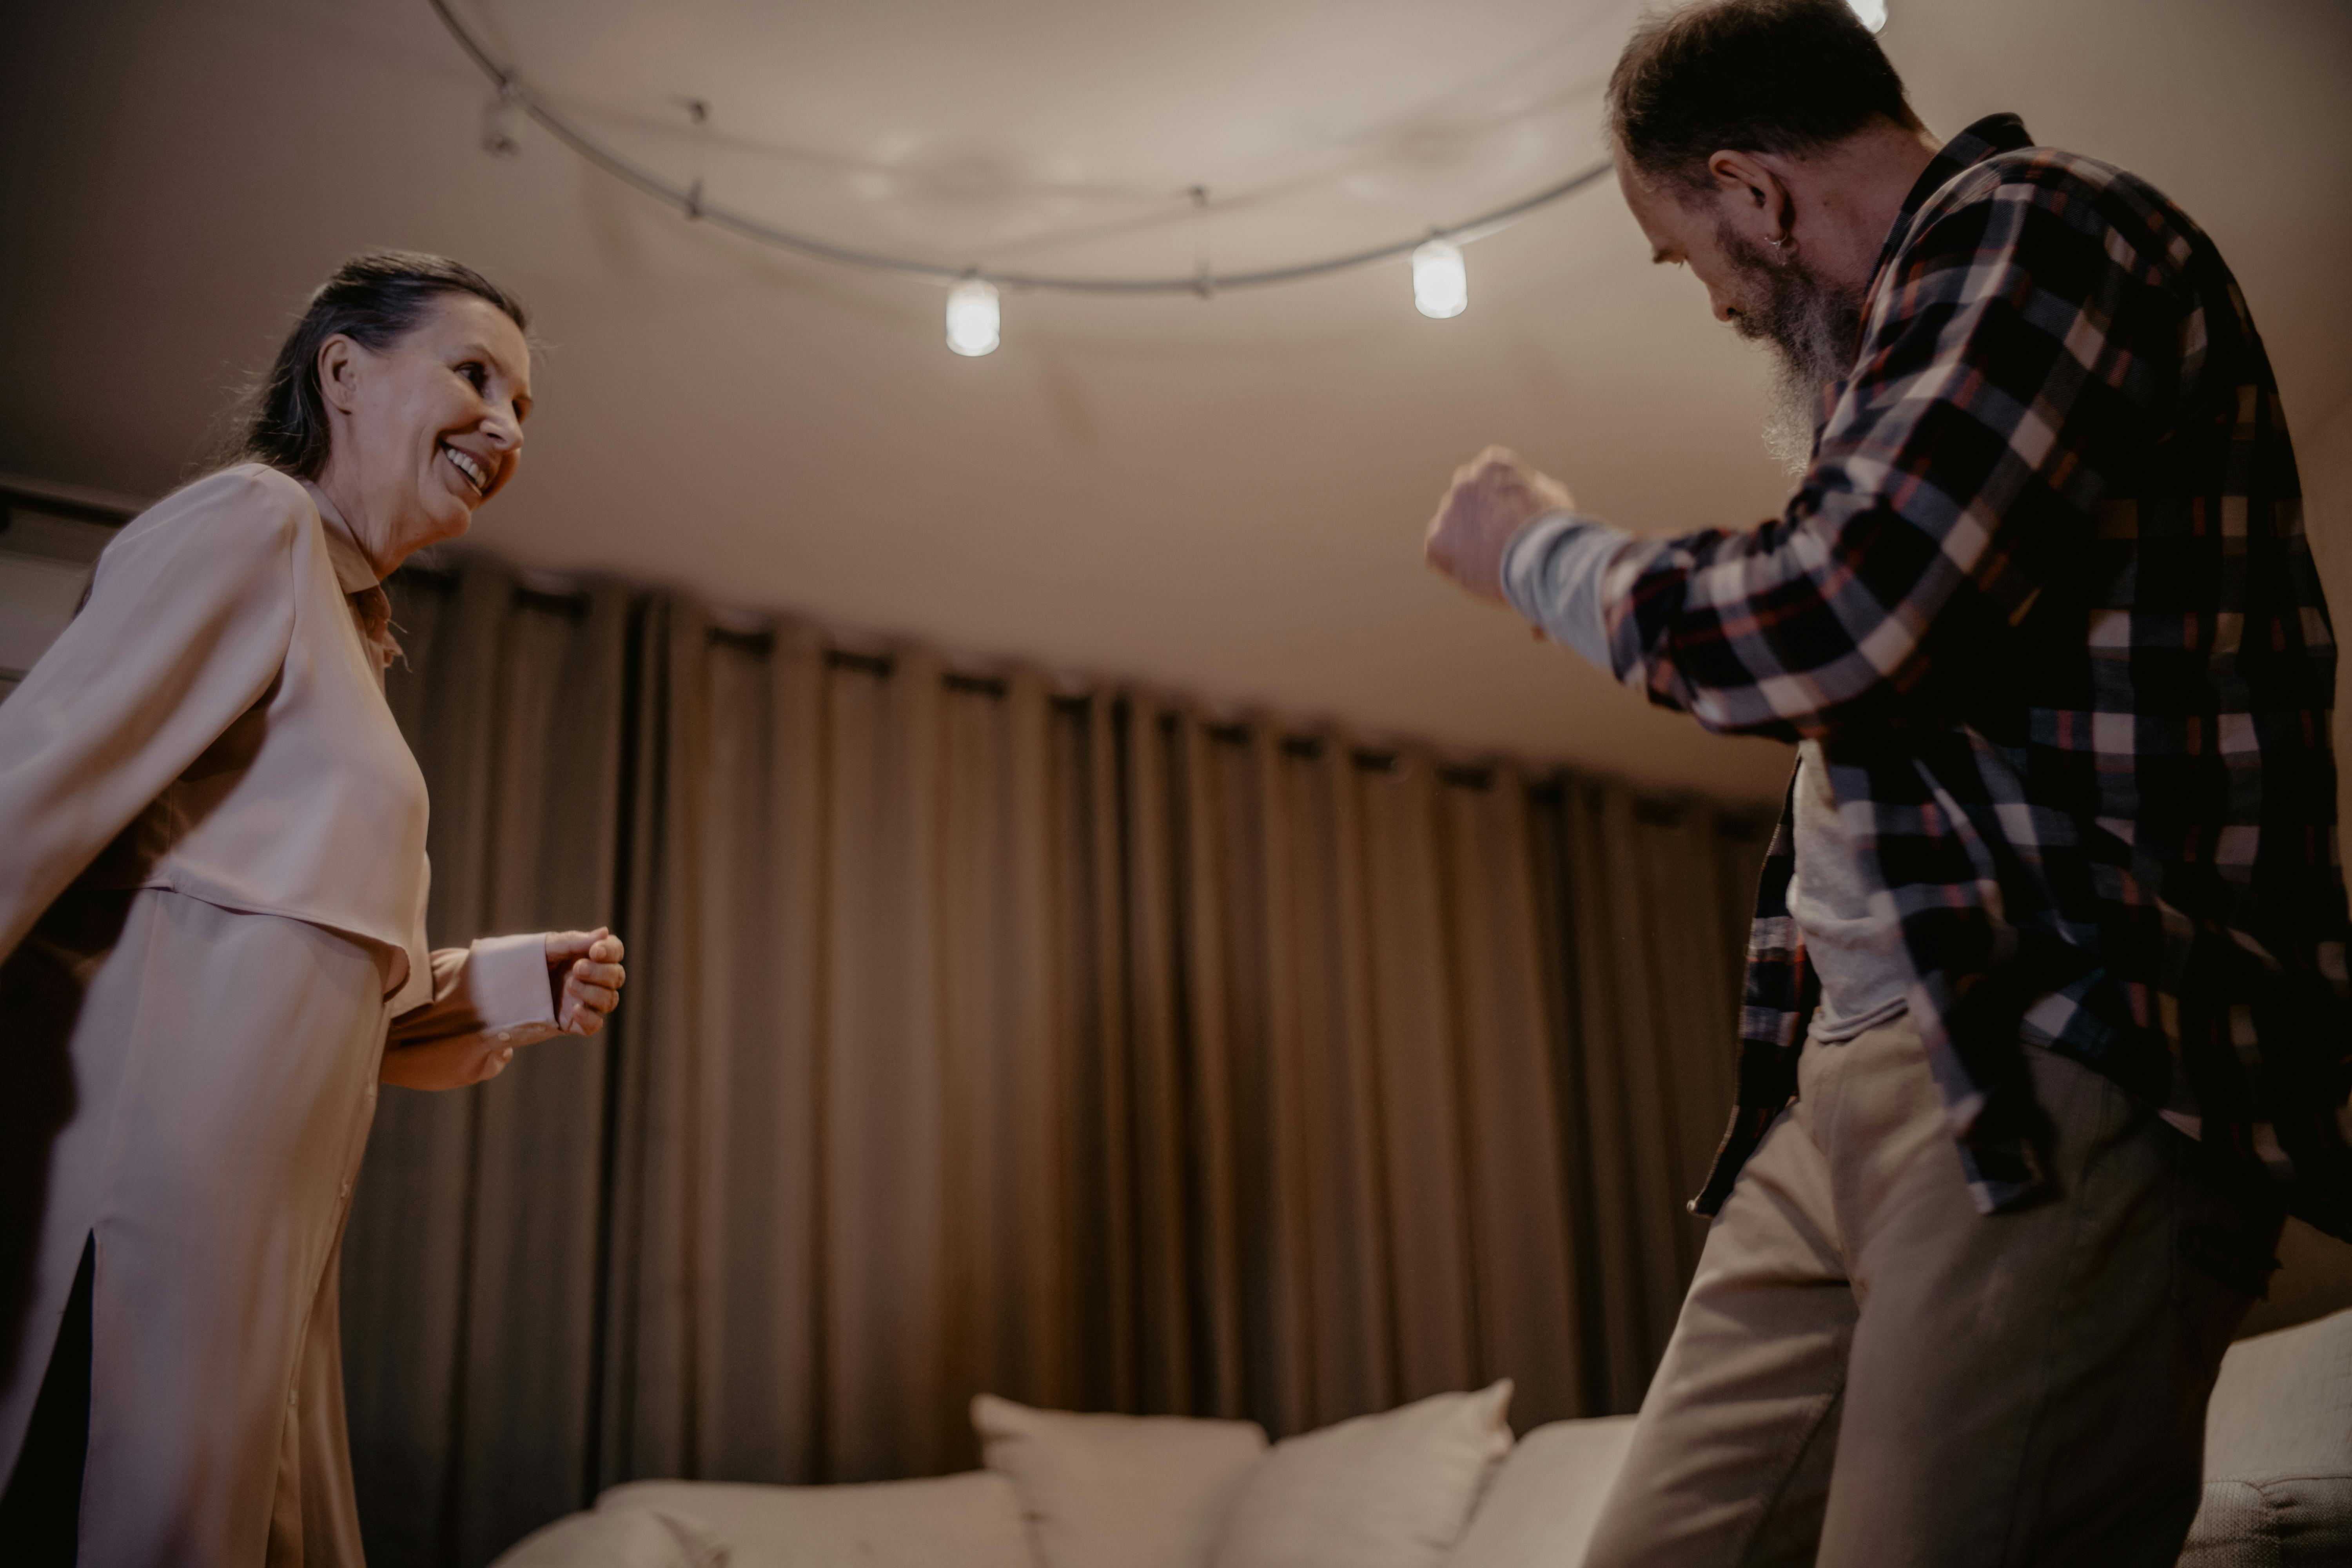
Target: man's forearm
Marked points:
1552	575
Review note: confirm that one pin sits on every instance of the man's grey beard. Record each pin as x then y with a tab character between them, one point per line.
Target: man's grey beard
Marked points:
1796	397
1814	330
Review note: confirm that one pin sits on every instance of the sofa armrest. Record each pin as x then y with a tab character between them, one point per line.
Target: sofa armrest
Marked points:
619	1538
968	1520
2278	1453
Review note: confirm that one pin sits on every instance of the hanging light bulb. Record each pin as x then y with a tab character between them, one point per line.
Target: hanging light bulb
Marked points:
971	317
1872	12
1441	285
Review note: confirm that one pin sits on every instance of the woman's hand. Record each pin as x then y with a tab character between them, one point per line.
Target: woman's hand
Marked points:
584	978
584	967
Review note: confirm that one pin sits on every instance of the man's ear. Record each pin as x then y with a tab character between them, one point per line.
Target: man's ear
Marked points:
1758	203
338	372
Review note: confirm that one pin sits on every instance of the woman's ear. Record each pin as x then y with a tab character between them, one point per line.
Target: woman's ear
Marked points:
339	372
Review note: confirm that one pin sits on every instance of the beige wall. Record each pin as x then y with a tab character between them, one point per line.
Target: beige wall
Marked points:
2324	450
2318	1278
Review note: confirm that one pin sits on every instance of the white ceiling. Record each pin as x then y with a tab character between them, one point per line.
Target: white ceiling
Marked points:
1222	498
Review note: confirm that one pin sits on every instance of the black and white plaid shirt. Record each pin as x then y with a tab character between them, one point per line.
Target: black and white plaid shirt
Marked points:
2045	598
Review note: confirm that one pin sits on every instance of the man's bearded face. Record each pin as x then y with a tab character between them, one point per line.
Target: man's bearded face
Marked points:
1815	328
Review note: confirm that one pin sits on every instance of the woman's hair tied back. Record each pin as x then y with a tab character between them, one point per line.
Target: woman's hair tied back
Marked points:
374	299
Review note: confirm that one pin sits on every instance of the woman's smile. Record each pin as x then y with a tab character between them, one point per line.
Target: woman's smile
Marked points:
476	472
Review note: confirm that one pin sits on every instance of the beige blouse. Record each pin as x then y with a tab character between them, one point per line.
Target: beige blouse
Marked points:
214	723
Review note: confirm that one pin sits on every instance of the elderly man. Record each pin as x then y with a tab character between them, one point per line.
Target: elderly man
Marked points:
2046	1020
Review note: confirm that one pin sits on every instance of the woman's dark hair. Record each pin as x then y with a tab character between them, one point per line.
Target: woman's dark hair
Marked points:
372	298
1750	75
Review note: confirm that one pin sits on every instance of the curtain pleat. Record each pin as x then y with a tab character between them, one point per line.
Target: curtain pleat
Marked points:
1083	1051
1335	1121
1417	1052
1516	1201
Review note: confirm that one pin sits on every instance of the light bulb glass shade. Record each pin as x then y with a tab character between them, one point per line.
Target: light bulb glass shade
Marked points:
972	318
1441	284
1872	12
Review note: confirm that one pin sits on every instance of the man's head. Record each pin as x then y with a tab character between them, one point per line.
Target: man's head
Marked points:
1767	145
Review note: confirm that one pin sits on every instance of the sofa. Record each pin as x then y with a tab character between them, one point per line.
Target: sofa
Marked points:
1436	1484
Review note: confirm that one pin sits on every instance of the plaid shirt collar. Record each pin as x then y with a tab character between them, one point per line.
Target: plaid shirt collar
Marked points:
1987	138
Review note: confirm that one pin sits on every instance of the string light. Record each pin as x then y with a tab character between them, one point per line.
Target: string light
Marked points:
972	318
1441	284
1872	12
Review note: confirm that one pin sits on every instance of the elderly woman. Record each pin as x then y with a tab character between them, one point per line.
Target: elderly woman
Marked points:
212	917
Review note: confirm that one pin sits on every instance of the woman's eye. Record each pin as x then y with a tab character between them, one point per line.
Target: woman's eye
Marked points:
475	375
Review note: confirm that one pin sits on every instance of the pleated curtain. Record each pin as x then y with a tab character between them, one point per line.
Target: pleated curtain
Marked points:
1079	1050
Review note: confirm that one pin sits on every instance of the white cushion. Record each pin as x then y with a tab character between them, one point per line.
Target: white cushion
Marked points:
1547	1496
618	1538
1117	1491
1380	1491
2278	1453
970	1521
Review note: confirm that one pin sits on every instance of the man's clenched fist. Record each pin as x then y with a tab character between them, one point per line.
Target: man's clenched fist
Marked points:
1494	496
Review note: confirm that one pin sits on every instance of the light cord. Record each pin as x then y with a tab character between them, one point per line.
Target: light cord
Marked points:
696	205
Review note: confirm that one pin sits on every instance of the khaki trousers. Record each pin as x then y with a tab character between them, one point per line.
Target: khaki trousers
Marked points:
1867	1371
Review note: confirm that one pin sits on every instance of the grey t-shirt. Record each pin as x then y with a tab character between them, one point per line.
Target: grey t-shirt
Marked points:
1857	954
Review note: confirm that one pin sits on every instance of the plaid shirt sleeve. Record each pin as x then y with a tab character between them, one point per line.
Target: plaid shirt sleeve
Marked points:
1953	480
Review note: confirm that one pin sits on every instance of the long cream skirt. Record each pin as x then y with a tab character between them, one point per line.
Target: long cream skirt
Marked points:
192	1088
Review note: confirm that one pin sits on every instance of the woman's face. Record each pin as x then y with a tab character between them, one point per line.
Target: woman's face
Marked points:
426	430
